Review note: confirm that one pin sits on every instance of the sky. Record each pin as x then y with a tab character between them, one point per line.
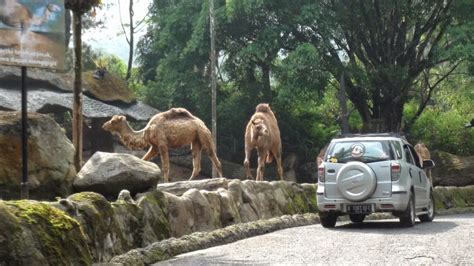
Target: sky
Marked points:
110	38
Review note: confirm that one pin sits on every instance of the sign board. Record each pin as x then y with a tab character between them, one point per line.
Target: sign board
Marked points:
32	33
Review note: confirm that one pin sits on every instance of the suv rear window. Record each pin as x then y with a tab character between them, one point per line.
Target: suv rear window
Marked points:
361	151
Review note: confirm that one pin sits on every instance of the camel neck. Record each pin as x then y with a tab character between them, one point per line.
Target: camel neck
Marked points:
126	130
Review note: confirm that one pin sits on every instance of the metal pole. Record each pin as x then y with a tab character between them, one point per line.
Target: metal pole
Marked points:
24	135
213	77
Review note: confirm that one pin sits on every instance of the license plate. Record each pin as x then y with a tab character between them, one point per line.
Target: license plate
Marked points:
359	208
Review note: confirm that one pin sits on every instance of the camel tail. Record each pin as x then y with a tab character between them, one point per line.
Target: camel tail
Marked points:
263	108
205	137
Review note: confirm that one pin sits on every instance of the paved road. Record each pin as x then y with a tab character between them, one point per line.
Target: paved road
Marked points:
447	240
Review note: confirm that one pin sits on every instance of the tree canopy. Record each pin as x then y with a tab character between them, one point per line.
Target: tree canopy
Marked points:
292	54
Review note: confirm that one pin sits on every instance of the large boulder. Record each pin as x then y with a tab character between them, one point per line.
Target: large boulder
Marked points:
452	170
109	173
50	157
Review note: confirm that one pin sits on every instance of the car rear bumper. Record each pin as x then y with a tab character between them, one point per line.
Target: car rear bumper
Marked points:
397	202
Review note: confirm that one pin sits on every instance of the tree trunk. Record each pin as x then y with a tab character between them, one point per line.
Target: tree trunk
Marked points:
385	114
131	44
389	116
213	78
267	90
341	96
67	23
77	101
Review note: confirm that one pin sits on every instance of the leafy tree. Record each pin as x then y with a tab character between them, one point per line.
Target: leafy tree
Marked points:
133	27
292	55
382	48
442	125
174	55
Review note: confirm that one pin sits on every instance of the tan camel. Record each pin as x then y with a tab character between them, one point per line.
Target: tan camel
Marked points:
171	129
263	134
320	157
15	14
424	154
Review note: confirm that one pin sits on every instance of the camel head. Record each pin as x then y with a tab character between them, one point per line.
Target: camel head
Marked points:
259	128
115	123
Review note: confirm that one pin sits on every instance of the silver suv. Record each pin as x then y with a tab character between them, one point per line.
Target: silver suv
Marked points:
362	174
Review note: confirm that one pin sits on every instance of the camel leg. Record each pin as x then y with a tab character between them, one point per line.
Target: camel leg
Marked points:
248	151
165	163
261	165
216	162
277	156
196	151
152	152
428	173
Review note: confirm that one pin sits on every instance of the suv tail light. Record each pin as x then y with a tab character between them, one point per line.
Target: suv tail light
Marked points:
396	169
321	173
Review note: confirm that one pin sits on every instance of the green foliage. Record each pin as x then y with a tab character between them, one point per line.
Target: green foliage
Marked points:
442	125
93	58
292	54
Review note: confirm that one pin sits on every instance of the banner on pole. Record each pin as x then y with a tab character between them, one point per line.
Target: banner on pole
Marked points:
32	33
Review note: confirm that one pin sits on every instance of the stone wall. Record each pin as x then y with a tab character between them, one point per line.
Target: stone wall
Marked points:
87	228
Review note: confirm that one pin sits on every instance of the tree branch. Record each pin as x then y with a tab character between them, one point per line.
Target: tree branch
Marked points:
430	89
121	23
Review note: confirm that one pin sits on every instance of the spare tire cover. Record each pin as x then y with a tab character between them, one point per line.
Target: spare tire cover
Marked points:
356	181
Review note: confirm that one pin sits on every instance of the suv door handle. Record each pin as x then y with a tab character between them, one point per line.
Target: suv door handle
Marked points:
409	171
419	173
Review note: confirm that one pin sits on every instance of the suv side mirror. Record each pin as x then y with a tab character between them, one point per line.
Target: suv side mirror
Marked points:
427	164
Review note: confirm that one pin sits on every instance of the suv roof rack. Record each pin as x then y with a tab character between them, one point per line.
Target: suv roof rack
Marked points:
387	134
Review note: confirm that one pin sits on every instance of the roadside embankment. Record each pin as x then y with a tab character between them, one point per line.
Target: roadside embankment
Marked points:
172	219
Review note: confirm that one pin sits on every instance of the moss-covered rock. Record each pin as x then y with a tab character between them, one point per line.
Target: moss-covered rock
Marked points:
35	233
109	88
128	217
454	197
96	215
154	215
310	195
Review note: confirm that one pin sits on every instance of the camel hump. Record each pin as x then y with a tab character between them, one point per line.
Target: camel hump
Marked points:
177	113
263	108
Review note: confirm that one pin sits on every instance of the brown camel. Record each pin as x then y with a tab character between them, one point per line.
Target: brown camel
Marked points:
424	154
263	134
171	129
15	14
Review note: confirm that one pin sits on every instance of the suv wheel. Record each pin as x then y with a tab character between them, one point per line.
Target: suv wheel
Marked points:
431	211
328	219
357	218
408	217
